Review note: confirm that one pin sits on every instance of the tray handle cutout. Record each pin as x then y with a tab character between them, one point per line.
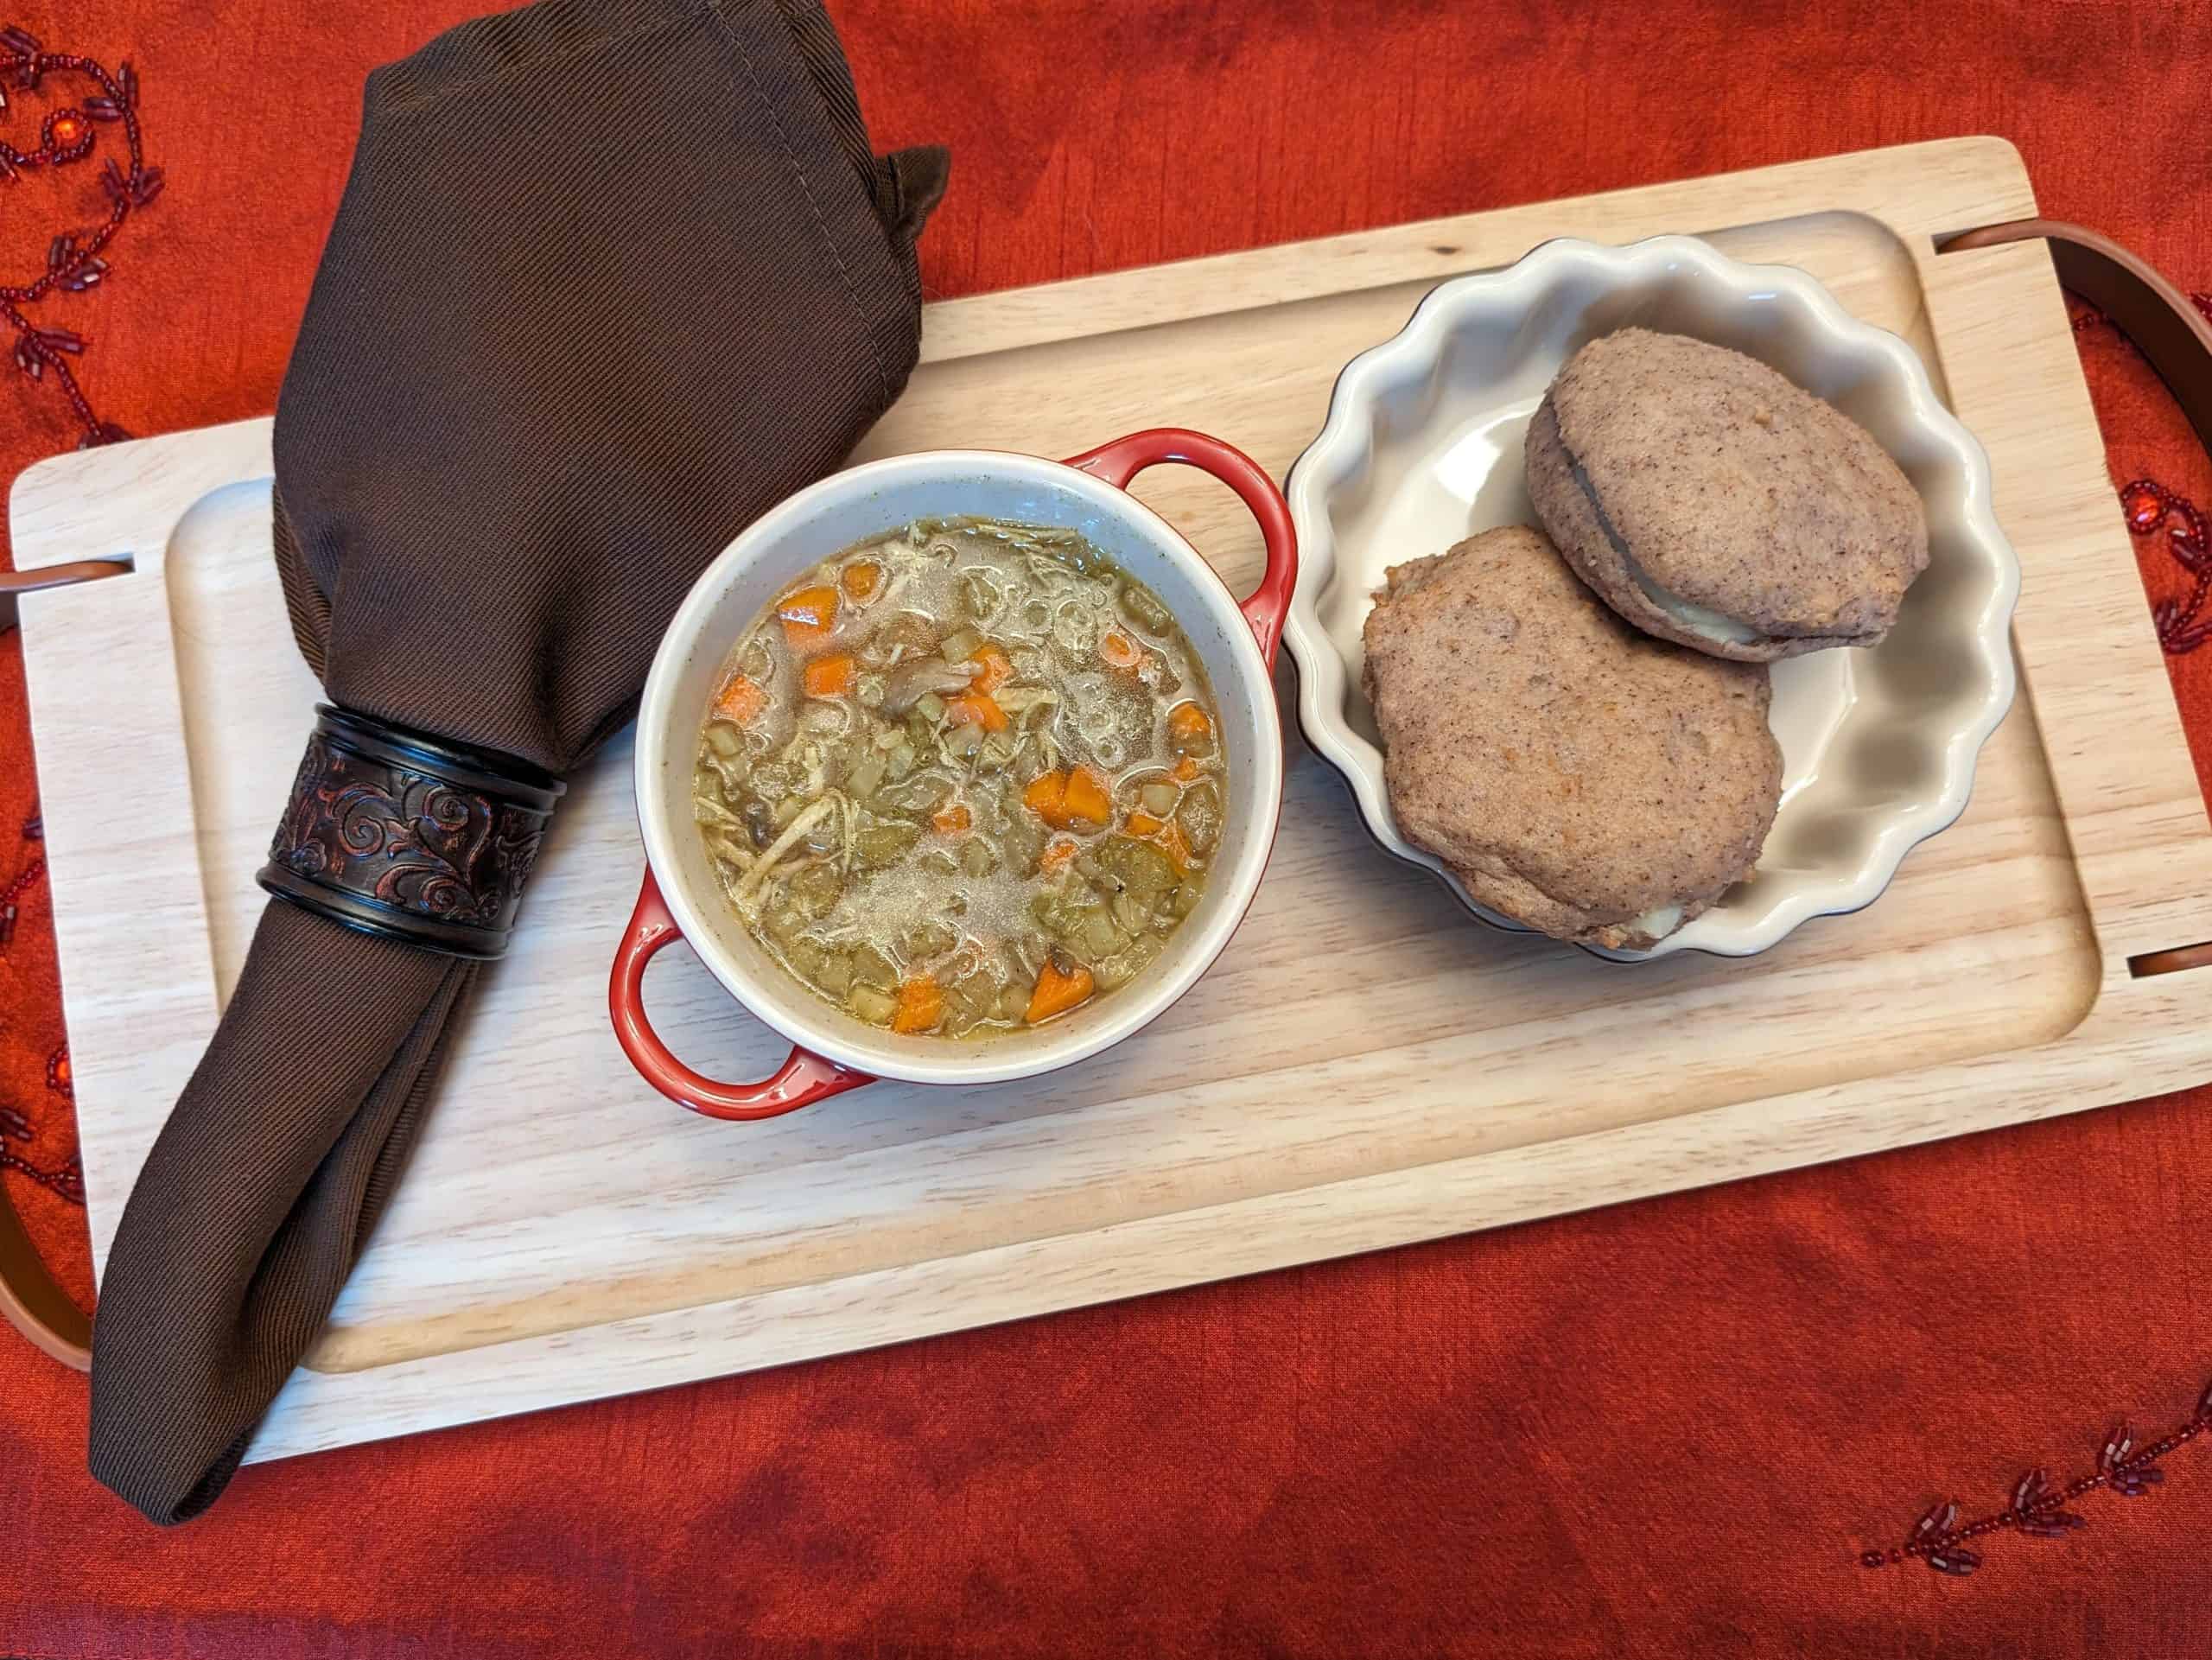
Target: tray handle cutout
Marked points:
41	577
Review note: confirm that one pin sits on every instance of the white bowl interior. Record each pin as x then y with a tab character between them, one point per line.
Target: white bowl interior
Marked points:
1423	447
870	501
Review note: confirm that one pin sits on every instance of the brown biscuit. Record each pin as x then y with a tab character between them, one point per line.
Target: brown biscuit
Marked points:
1574	773
1711	502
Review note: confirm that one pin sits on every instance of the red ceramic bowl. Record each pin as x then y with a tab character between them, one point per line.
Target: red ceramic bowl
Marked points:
831	1051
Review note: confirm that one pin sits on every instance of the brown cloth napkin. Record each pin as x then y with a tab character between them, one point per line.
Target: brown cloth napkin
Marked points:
609	278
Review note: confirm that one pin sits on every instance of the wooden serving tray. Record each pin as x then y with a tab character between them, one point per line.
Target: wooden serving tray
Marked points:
1364	1066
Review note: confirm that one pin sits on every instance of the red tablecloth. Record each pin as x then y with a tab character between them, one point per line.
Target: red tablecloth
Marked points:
1667	1428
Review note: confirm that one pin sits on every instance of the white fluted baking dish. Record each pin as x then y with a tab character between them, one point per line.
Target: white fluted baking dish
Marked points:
1422	447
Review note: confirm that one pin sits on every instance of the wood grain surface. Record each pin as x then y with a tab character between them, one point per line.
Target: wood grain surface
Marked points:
1363	1067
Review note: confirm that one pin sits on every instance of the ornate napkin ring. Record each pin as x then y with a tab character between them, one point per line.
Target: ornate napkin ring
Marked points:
419	840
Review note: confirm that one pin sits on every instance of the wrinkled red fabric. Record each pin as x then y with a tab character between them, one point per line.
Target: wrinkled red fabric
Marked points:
1665	1429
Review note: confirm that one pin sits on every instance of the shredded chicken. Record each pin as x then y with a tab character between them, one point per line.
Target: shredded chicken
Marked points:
727	849
1052	575
793	834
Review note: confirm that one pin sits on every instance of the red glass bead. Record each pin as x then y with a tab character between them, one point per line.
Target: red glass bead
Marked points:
67	129
2144	509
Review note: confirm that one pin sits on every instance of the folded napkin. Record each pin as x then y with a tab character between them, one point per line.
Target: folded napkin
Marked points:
609	278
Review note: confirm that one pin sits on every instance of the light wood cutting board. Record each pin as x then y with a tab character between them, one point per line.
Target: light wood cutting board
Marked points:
1364	1066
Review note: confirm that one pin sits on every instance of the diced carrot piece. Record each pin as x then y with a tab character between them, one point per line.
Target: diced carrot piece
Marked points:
808	616
1186	721
1172	842
740	700
1057	853
1085	798
1046	796
829	677
974	707
1063	799
996	667
859	579
921	1005
953	819
1166	833
1185	769
1056	992
1117	650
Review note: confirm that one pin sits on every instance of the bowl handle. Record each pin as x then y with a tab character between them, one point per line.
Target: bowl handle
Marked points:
803	1078
1124	458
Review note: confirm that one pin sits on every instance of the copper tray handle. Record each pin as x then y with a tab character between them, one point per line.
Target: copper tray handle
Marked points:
2175	338
2172	335
31	1299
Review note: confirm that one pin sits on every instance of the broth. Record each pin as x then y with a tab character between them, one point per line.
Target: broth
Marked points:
962	779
